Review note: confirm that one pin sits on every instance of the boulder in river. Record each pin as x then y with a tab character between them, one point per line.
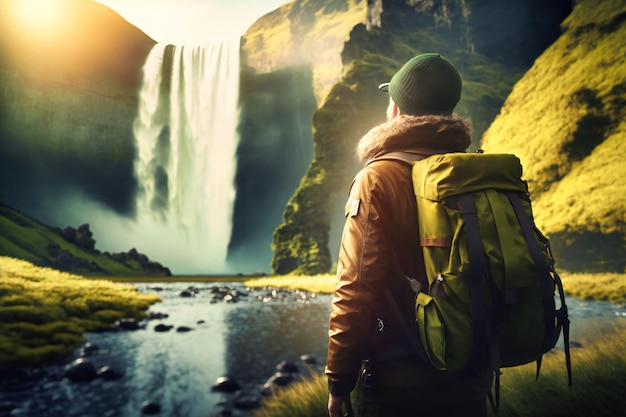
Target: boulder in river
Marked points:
183	329
287	367
80	370
128	324
163	327
150	407
226	384
109	374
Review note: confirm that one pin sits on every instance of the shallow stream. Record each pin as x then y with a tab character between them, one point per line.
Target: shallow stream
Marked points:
244	340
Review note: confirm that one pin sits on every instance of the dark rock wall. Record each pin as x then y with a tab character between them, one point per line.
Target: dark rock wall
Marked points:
276	147
56	137
512	33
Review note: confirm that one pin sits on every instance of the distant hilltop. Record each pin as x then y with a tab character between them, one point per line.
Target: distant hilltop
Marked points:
69	249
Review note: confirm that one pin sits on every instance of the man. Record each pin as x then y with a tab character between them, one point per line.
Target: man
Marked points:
381	259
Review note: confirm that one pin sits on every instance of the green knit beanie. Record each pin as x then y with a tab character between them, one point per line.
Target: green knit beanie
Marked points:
426	84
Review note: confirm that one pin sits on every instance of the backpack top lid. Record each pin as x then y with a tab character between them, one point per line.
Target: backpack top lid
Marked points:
452	174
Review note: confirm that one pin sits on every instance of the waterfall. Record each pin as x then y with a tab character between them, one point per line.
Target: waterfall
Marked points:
186	139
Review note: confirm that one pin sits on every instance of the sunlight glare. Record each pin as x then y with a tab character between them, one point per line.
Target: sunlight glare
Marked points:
37	15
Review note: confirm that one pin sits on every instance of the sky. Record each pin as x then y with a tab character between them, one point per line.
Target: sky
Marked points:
192	22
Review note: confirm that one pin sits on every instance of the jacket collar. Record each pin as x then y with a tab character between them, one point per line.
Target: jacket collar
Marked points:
425	135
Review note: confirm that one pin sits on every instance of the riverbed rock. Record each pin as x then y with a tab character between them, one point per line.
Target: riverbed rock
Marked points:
183	329
163	327
280	379
246	401
231	298
80	370
89	349
155	315
128	324
109	374
226	384
150	407
309	359
287	367
186	293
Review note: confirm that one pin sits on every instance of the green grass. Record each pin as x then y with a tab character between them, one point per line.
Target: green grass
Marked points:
609	287
44	312
599	381
306	398
316	284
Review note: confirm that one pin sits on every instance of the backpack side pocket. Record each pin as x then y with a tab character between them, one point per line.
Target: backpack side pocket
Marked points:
432	329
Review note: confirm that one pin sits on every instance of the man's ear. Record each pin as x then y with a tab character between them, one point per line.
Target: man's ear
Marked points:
396	110
393	110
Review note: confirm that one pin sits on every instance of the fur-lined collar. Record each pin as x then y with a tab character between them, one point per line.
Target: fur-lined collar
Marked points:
428	134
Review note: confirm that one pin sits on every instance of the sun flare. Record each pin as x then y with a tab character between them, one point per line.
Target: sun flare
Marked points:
37	15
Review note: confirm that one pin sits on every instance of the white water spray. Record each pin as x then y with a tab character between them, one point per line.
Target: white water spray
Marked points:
186	155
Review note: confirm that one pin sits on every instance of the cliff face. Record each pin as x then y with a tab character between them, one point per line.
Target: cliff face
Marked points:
61	135
396	31
304	33
275	149
313	32
68	99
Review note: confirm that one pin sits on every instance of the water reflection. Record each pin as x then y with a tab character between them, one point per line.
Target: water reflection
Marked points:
263	334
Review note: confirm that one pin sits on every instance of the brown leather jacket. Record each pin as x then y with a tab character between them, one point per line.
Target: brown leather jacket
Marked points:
380	242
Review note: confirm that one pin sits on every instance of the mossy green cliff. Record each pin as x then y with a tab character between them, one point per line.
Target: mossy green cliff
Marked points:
566	119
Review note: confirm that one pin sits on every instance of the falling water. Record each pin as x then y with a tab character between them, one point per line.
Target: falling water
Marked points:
186	135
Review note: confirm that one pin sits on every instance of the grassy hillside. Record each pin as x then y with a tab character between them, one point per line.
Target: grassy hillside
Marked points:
44	312
565	120
25	238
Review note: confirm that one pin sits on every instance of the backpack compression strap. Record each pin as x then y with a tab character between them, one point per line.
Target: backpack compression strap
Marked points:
478	270
550	333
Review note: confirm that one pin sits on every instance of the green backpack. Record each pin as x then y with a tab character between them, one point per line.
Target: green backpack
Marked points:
490	301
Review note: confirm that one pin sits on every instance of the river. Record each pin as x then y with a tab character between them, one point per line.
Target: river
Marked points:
244	340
